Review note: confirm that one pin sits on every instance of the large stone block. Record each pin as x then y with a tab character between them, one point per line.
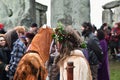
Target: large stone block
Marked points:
22	12
41	18
17	12
116	14
70	12
107	16
111	5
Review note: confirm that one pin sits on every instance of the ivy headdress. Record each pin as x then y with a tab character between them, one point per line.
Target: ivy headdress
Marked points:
60	33
63	34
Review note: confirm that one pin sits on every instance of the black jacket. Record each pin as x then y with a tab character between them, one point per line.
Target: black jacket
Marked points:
4	60
94	50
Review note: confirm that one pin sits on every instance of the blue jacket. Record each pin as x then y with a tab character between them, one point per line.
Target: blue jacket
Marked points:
18	51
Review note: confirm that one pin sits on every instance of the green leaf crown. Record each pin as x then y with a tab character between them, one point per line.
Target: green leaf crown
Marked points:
61	35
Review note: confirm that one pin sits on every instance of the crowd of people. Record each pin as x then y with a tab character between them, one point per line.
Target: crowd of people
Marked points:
43	53
13	45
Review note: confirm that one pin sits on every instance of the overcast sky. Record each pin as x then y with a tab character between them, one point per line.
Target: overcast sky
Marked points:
96	10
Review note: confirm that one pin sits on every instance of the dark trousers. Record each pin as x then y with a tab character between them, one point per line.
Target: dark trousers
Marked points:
94	71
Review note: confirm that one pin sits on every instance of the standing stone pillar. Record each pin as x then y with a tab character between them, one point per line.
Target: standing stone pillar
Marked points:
70	12
43	18
38	17
117	14
41	14
107	16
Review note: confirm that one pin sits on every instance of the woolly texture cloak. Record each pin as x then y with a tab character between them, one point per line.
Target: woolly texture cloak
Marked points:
41	43
81	69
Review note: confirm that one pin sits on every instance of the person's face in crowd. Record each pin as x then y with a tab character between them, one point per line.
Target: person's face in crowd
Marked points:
115	26
2	41
83	30
33	29
95	33
105	27
58	45
28	40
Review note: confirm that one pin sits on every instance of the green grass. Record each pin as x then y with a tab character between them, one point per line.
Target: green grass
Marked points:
114	70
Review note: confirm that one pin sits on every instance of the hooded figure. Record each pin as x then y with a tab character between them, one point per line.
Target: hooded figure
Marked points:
32	65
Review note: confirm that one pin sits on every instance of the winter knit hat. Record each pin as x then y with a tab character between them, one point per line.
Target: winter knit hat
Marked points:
1	26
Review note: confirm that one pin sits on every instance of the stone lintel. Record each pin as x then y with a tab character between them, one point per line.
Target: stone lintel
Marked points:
111	5
41	6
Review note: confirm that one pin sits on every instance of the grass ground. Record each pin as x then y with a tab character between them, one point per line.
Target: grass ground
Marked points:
114	70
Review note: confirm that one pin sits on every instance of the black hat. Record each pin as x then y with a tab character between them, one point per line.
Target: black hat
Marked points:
30	35
34	25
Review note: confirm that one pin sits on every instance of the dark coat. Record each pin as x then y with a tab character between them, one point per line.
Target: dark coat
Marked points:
94	50
4	60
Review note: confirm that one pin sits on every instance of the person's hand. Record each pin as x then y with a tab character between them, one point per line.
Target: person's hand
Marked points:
7	68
